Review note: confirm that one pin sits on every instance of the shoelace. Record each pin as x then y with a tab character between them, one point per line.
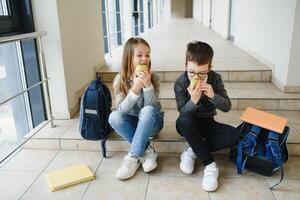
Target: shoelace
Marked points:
127	163
210	172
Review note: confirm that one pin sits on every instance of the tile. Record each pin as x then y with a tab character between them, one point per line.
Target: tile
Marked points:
266	76
40	190
15	183
258	104
109	187
289	104
48	132
172	76
72	132
251	93
168	104
242	188
232	115
79	144
288	189
248	85
169	147
30	160
292	116
242	76
168	165
168	133
68	158
111	164
294	149
42	144
161	187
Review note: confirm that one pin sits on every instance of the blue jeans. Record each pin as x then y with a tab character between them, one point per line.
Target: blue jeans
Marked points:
137	129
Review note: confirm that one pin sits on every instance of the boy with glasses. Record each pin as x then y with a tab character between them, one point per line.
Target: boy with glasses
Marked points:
199	92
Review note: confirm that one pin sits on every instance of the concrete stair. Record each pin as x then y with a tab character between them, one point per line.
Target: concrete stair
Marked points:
261	94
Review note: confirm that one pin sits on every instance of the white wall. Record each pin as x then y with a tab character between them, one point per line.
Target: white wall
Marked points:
265	28
294	69
46	19
220	17
73	48
206	12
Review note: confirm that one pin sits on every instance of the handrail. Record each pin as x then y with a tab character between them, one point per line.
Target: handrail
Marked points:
25	36
42	66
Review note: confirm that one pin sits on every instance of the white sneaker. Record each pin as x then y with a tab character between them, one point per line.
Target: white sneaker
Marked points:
128	167
187	161
149	159
210	177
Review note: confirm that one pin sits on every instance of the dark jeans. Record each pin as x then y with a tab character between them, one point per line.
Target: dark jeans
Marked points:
205	135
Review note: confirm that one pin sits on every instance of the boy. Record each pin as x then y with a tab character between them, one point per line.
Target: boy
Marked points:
199	92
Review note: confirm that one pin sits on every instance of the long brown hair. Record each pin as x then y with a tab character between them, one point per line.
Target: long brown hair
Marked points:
127	69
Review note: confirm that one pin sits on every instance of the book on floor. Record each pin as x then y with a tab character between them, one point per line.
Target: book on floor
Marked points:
69	176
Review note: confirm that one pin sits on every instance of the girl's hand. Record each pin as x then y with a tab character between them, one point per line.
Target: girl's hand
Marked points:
137	84
145	75
207	90
195	94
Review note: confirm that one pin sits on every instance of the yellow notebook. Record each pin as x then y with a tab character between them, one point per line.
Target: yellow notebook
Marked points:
69	176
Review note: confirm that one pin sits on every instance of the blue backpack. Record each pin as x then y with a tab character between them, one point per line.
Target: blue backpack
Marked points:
260	150
95	107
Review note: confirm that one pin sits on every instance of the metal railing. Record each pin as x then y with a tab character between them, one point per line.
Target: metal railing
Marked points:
42	67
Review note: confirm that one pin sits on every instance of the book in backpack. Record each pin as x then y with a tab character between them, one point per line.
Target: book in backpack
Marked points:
262	147
95	107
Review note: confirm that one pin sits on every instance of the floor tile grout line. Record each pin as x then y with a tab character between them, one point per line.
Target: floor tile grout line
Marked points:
92	180
268	185
147	187
39	174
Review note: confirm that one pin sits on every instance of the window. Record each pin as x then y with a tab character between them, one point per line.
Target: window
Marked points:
150	14
19	70
111	24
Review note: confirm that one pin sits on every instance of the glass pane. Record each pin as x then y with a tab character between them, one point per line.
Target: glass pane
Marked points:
113	40
10	77
111	6
32	74
118	22
105	45
119	38
117	5
3	8
13	125
103	8
104	24
141	6
112	23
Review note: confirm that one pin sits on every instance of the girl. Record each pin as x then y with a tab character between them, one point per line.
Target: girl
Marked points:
138	113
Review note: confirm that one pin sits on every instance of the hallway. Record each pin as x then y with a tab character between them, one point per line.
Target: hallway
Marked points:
168	44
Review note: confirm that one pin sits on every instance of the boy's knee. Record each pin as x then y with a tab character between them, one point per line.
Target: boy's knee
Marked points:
184	120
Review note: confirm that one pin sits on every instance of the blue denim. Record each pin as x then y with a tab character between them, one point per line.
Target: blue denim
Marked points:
137	129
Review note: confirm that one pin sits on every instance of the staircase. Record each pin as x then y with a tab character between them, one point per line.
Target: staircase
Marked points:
245	88
248	83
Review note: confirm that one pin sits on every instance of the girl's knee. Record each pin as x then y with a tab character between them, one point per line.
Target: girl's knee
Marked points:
115	118
147	113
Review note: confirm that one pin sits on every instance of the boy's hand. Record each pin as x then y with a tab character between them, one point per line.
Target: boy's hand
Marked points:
195	94
145	75
137	84
207	90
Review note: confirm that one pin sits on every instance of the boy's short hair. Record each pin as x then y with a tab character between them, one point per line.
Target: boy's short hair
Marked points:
199	52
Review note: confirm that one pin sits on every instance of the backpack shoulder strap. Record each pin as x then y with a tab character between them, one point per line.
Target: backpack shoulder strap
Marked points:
246	147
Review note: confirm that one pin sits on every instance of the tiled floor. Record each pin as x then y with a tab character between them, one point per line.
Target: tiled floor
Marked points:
22	177
168	44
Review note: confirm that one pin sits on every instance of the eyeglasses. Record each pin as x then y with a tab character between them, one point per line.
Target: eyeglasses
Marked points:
199	74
